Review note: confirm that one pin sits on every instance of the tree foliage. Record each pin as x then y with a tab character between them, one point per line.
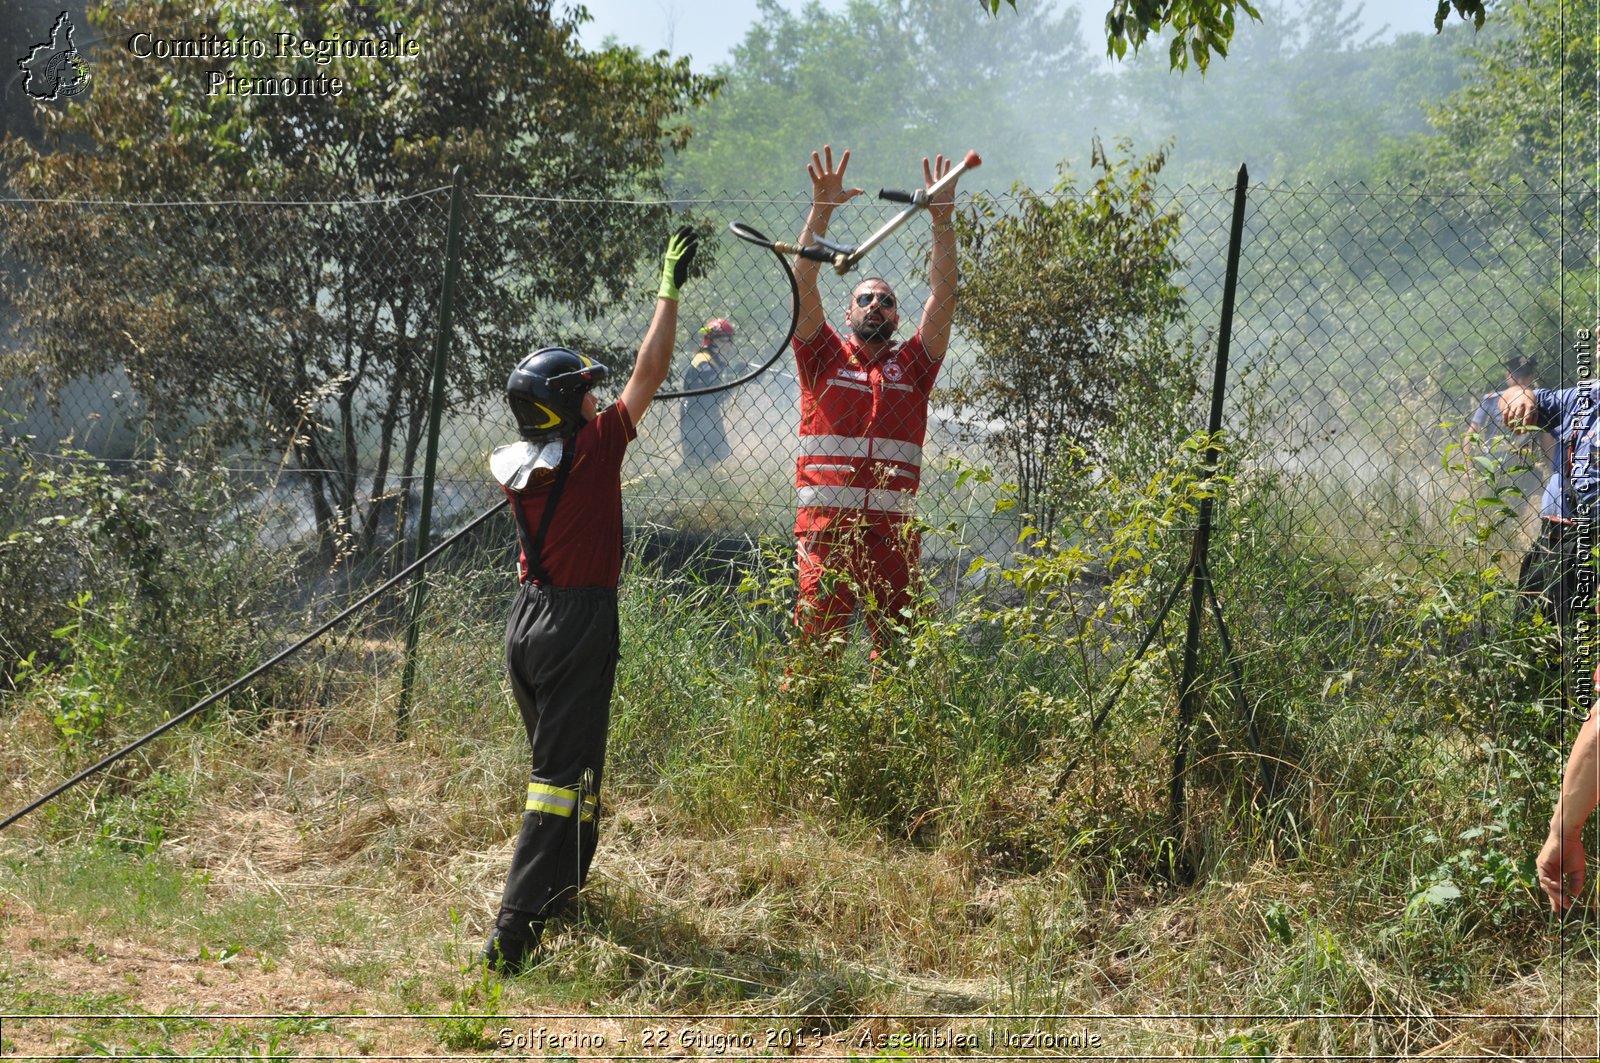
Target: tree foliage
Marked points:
1200	27
308	327
1526	113
1060	291
1303	95
1519	133
894	80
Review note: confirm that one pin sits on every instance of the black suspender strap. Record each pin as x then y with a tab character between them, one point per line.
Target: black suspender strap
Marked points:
533	546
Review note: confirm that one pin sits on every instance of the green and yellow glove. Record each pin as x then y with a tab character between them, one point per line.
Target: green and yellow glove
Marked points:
675	264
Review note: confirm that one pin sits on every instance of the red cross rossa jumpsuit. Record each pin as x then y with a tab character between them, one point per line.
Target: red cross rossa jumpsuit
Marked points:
862	425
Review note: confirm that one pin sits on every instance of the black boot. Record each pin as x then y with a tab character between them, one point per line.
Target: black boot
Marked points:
508	953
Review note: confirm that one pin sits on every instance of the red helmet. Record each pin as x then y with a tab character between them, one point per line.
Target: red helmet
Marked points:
717	326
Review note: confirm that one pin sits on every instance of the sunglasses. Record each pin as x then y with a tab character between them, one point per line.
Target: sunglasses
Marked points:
884	299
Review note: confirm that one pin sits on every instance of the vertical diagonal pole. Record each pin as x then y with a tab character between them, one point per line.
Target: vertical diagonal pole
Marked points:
1188	695
441	351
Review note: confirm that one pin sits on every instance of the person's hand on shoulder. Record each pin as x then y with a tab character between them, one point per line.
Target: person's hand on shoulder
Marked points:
1518	408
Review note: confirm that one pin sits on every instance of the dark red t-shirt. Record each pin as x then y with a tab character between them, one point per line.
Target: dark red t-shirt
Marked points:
583	547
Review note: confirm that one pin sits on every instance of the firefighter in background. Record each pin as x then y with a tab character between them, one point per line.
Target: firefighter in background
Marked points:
705	438
564	480
863	415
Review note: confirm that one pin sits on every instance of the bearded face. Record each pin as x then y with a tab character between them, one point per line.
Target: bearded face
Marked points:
873	315
870	332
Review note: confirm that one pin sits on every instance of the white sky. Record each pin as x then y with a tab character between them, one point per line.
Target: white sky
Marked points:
707	30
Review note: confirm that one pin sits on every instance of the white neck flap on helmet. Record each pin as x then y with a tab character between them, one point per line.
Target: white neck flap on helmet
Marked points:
514	463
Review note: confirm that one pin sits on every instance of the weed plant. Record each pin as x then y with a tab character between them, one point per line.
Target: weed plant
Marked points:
128	594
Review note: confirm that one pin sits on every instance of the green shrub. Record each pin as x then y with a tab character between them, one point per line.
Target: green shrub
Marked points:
131	590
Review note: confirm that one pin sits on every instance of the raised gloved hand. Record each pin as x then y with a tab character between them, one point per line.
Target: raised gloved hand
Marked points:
675	264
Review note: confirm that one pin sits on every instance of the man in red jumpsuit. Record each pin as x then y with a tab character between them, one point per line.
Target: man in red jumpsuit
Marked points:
863	415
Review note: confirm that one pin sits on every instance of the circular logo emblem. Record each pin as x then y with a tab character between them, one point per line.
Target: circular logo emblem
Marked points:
892	372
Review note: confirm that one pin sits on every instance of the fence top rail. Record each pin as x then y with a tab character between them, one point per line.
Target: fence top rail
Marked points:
1180	193
1186	191
1360	188
373	201
658	201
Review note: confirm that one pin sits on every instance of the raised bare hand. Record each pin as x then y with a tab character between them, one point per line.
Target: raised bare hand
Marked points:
827	183
940	207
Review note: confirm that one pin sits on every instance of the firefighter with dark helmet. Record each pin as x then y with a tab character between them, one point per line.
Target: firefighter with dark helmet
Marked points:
564	479
703	434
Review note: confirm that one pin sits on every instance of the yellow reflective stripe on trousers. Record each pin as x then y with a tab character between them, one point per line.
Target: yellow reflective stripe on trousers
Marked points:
560	801
553	799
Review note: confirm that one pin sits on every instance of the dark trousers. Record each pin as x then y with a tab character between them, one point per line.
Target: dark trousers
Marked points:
561	652
1549	579
705	439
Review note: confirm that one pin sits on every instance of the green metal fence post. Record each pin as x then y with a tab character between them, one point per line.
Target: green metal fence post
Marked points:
1199	571
441	350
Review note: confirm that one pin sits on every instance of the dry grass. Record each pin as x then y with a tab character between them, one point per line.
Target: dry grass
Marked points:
306	862
337	866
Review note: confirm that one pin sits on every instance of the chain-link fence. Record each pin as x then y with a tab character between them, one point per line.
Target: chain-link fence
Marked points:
296	339
271	366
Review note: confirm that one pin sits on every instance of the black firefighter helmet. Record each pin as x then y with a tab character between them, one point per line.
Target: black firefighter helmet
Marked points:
546	392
